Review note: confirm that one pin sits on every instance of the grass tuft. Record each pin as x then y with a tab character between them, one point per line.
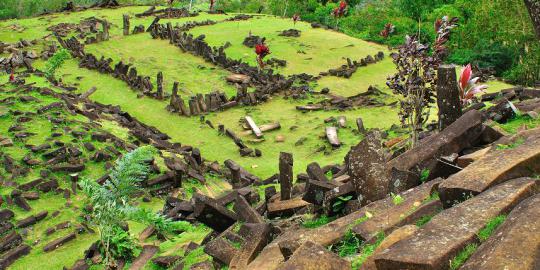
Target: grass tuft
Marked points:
367	250
490	227
317	222
462	256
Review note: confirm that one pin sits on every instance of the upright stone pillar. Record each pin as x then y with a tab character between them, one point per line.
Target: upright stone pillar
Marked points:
160	85
285	175
126	24
448	98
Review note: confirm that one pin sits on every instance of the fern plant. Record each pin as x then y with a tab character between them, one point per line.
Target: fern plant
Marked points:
113	204
55	62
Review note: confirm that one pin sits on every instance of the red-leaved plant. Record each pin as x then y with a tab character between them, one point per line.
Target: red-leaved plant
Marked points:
12	77
295	18
388	30
340	11
262	51
468	88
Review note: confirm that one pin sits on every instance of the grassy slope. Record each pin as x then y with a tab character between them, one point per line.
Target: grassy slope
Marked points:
314	51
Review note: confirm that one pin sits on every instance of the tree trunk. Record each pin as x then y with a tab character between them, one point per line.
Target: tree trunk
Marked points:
448	98
534	10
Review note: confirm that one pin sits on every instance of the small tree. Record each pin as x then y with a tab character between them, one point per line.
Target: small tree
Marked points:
112	205
416	76
339	11
262	51
55	62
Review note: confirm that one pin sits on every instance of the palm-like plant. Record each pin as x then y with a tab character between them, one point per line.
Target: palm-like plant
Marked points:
112	202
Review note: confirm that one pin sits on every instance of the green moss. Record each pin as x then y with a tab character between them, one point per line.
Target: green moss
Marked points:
424	219
317	222
513	145
348	246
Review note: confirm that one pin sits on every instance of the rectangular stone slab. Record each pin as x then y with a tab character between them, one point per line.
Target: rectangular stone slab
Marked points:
245	212
147	253
220	249
256	130
496	167
413	207
213	214
285	208
515	244
256	239
59	242
11	256
437	242
314	256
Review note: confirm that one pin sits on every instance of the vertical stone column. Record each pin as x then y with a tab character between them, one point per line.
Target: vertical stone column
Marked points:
285	175
160	85
126	24
106	27
448	98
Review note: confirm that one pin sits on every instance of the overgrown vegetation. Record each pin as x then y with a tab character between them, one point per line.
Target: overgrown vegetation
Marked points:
367	250
55	62
113	204
490	227
462	256
349	245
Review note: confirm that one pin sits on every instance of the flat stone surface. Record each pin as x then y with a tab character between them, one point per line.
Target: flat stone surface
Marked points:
396	236
285	208
256	239
496	167
437	242
213	214
413	207
221	249
245	212
312	256
59	242
515	244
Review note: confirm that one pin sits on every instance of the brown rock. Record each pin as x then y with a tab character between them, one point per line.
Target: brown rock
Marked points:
146	254
312	256
281	208
437	242
515	244
496	167
257	238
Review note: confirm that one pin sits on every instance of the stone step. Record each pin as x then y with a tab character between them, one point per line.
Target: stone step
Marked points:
437	242
314	256
515	244
333	232
495	168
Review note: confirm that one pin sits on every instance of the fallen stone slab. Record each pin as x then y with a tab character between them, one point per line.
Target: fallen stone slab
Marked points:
6	214
331	135
263	128
415	204
213	214
256	239
11	256
513	245
406	168
221	249
284	208
31	220
495	167
253	126
146	254
245	212
71	168
316	190
59	242
312	256
438	241
10	241
396	236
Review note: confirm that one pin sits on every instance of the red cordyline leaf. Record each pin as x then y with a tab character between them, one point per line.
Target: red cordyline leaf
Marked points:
262	50
465	77
12	77
296	17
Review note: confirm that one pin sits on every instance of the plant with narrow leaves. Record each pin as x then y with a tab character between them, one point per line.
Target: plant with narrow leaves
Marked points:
295	18
112	204
55	62
416	76
468	87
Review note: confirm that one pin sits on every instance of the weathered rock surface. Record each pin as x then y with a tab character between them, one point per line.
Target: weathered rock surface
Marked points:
257	237
437	242
515	244
312	256
494	168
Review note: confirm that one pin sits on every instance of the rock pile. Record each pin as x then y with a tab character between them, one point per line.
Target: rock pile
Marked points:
347	70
